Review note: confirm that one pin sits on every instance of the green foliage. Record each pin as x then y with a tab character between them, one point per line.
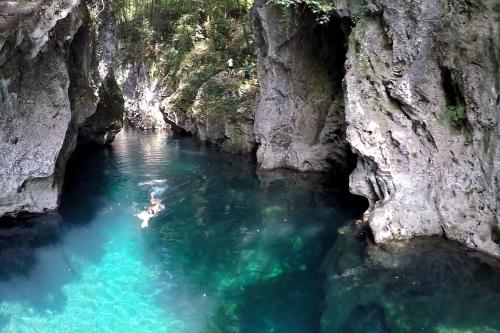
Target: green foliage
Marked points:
359	17
321	8
455	115
222	99
186	41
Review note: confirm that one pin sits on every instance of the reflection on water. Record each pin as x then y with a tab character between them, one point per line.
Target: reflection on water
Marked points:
234	250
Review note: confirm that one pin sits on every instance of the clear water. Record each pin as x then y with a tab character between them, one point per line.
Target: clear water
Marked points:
235	250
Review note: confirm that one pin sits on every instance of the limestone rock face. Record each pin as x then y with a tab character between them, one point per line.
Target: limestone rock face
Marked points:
415	96
222	114
410	67
299	120
47	90
142	96
107	121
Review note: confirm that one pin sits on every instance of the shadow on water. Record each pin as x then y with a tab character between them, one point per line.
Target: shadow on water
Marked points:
34	266
87	176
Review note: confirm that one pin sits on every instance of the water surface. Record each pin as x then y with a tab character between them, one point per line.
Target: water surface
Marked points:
235	250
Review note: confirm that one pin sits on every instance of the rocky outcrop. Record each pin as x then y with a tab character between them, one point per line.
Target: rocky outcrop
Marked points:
107	120
299	120
426	168
143	96
48	89
419	106
222	113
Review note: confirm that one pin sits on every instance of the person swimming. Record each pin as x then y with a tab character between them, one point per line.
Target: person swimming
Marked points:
155	206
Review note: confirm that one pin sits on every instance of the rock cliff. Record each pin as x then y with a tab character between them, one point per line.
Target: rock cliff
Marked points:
53	58
142	95
299	120
419	106
222	113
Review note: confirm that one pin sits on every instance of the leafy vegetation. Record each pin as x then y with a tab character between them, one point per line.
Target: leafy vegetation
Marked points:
321	8
187	42
455	115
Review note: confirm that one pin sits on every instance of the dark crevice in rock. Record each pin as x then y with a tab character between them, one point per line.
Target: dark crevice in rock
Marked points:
107	120
177	130
495	234
453	93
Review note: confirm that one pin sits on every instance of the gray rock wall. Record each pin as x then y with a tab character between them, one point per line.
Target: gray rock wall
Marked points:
425	175
142	95
425	171
49	81
299	120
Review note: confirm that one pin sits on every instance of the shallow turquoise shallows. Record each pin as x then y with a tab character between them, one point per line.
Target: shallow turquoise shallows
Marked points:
234	250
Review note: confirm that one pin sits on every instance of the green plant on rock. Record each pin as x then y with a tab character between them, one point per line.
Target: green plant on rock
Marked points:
359	17
322	9
455	115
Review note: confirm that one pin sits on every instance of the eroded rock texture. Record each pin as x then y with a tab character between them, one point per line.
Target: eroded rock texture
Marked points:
424	174
419	106
143	96
48	83
299	121
221	114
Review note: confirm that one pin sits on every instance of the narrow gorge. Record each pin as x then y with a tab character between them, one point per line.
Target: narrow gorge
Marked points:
342	176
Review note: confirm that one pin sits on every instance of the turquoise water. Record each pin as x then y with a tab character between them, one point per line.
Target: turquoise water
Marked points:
235	250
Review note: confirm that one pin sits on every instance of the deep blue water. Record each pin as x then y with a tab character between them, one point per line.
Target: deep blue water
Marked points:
235	250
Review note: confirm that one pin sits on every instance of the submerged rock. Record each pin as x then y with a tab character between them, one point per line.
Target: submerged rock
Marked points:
368	318
410	286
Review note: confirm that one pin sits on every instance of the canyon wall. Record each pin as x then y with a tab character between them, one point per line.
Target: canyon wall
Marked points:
54	58
142	95
418	105
299	120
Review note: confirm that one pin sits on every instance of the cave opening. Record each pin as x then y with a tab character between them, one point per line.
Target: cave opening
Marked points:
331	47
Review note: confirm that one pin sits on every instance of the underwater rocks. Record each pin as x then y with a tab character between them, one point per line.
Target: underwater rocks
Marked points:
410	286
51	60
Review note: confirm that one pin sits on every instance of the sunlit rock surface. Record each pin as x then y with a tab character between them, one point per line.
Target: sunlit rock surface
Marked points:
222	113
142	95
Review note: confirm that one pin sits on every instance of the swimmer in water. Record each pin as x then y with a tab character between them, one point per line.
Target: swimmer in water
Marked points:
155	206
